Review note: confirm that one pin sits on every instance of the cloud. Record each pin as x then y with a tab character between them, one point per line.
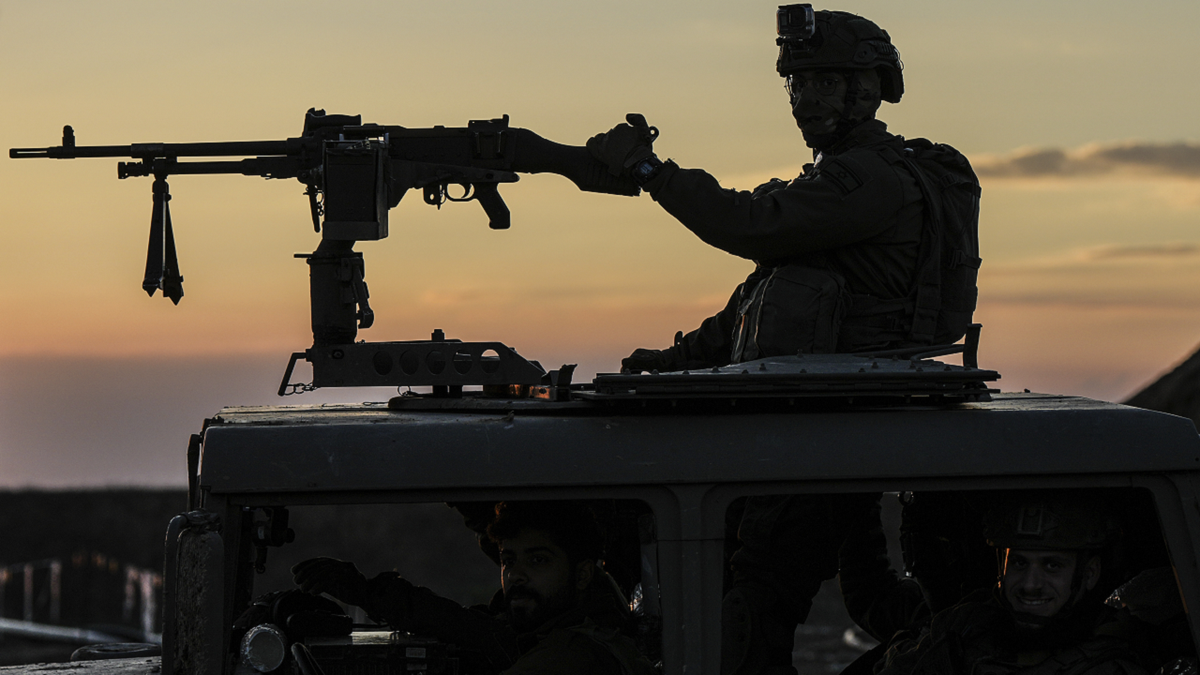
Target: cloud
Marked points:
1162	275
1181	160
1174	250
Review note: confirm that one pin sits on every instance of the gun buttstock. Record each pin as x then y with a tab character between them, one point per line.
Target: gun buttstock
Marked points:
535	154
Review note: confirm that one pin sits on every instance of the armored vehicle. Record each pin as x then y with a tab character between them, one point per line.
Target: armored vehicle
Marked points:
671	453
665	457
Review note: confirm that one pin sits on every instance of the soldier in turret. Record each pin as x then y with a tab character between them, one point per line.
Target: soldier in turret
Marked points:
874	246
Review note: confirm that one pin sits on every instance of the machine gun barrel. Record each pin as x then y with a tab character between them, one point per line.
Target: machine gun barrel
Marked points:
68	150
267	167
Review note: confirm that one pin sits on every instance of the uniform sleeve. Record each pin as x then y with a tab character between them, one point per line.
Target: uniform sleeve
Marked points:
483	639
1117	666
566	653
853	197
876	599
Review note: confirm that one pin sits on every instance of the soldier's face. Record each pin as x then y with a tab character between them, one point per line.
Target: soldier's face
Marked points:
818	99
538	579
1039	582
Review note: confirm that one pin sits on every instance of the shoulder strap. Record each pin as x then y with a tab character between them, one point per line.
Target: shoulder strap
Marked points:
928	290
607	639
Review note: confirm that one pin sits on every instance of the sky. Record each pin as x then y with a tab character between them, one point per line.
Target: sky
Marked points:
1080	118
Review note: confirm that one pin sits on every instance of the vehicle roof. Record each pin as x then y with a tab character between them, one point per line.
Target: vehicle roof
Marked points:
130	666
371	447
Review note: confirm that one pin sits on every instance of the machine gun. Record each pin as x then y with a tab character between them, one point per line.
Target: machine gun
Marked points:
353	174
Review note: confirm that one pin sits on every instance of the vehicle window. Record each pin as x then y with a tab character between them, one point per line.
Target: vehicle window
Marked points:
429	587
852	582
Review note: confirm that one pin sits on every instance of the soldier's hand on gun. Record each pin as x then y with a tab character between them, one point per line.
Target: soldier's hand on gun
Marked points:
624	145
338	578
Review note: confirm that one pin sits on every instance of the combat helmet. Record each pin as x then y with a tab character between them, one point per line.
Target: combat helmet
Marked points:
825	39
1058	523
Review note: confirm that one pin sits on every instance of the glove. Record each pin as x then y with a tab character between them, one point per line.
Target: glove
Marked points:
338	578
768	187
677	357
646	360
624	145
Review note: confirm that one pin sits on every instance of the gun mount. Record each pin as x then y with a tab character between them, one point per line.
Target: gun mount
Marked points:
353	173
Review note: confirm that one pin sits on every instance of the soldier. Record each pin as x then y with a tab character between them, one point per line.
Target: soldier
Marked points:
873	247
945	555
1047	615
559	613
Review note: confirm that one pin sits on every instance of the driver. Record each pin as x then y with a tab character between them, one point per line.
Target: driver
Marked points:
559	612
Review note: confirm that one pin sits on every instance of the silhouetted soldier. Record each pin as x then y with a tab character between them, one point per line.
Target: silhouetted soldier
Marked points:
874	246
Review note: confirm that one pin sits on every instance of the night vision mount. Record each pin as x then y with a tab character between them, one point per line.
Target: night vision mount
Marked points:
353	174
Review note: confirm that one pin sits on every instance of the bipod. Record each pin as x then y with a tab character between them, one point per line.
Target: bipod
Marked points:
162	263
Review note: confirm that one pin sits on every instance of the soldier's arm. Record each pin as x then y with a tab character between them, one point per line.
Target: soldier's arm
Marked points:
856	196
876	598
710	344
403	606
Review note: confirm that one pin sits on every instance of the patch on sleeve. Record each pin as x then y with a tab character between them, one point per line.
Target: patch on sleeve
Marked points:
840	174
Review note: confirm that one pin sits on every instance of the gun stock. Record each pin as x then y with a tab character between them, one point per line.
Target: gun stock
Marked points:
535	154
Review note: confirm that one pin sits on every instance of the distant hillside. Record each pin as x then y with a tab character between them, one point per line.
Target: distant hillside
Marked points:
125	524
126	527
1177	392
426	542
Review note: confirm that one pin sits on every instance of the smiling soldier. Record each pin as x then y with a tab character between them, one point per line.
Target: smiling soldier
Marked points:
559	611
1037	584
1047	614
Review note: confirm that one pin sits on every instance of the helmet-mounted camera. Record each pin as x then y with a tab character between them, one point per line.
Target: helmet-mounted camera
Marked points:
795	24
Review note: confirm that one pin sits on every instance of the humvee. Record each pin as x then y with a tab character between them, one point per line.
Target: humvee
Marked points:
672	452
667	454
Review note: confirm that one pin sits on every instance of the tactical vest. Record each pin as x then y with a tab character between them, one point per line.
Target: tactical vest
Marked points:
806	305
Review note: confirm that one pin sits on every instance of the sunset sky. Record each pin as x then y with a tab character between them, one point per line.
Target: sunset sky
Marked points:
1080	118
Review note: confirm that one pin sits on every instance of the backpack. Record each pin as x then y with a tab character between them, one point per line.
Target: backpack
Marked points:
948	263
